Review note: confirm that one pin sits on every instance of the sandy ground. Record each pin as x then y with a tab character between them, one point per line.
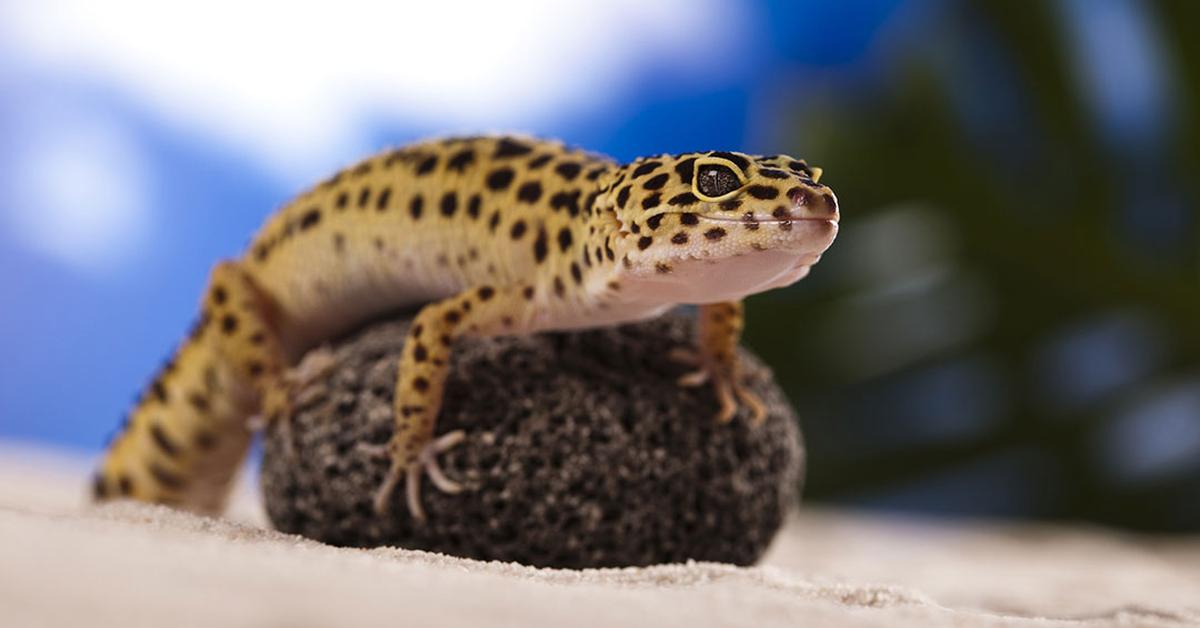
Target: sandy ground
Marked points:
66	564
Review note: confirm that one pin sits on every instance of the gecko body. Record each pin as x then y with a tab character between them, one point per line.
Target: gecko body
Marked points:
492	236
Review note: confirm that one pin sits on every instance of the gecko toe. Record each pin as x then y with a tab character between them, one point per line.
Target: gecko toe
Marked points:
410	469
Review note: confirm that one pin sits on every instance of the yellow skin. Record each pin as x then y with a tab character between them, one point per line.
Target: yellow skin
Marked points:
495	235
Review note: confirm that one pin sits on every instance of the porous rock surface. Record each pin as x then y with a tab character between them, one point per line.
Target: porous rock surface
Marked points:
581	451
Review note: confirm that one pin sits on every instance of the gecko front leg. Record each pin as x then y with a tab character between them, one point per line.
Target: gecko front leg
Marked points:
424	364
718	330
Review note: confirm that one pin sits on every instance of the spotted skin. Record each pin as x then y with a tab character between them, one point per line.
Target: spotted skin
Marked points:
494	235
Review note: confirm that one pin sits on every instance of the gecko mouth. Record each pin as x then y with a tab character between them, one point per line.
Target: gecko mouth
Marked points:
774	218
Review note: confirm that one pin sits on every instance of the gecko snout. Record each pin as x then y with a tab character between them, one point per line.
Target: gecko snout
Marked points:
814	203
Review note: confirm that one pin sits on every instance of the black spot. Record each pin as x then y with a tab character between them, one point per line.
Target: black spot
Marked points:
530	192
229	324
595	173
539	161
656	182
680	238
652	201
716	233
449	204
394	157
623	196
310	219
800	167
518	230
644	242
363	197
568	170
125	485
780	212
473	206
461	160
168	479
494	221
219	295
589	203
646	168
499	179
576	273
420	383
540	248
452	317
762	192
164	442
510	148
566	200
636	228
654	221
528	293
560	290
689	218
486	293
381	203
683	200
564	239
159	390
427	165
199	402
416	206
99	487
662	269
205	440
684	169
829	202
342	199
741	162
715	180
771	173
420	353
731	205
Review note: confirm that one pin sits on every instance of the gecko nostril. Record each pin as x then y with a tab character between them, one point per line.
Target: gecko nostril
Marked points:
799	196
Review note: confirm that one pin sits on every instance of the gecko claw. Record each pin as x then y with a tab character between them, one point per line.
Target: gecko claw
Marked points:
728	390
685	356
426	461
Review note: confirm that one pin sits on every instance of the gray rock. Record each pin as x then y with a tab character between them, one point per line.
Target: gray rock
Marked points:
581	451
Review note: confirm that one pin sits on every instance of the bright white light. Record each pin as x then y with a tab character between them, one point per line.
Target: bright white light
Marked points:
78	190
294	82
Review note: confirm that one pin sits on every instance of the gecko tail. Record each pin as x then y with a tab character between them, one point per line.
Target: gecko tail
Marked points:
186	437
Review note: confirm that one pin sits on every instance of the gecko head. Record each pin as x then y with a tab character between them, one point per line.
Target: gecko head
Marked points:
715	226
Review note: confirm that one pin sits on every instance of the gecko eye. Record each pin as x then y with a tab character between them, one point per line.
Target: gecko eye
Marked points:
716	179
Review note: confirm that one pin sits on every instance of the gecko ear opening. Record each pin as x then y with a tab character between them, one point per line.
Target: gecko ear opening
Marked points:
716	179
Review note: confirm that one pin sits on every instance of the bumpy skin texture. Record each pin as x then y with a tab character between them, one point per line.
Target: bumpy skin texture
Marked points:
497	236
581	452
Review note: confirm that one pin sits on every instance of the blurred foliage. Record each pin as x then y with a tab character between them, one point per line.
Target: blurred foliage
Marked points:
1009	285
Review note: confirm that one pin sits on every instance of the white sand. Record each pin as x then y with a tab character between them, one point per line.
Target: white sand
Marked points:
65	564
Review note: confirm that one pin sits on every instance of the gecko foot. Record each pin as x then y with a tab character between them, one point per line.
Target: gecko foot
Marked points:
409	468
728	389
295	387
